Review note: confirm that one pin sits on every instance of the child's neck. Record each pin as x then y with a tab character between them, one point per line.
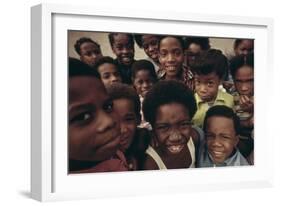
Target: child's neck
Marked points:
176	161
172	78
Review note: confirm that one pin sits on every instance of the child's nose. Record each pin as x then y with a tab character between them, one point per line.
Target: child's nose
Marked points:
145	85
174	136
216	142
244	87
114	79
124	129
106	123
202	88
125	50
170	57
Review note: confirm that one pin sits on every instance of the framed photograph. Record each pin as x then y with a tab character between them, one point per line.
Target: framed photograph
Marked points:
57	32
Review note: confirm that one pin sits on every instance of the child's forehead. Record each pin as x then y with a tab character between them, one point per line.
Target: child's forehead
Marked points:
142	71
245	69
211	75
219	121
82	85
107	65
88	44
170	41
120	38
124	102
171	108
148	37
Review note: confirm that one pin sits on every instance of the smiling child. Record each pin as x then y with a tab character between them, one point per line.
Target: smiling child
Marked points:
169	107
221	127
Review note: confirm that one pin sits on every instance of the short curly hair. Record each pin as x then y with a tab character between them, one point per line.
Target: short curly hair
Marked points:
210	61
103	60
81	41
111	38
179	38
79	68
239	61
143	64
124	91
139	41
222	111
203	42
165	92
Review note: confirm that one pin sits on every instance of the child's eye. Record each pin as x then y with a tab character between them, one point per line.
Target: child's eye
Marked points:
108	107
81	118
154	43
118	47
209	136
225	136
88	54
106	76
162	128
185	124
140	82
178	52
163	54
130	119
210	84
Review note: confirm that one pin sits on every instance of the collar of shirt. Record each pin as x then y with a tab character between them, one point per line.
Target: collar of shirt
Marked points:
231	161
219	98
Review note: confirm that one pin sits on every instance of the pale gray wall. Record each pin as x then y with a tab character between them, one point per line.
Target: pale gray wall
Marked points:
226	45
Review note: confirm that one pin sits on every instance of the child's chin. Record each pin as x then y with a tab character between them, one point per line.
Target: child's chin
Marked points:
206	99
218	160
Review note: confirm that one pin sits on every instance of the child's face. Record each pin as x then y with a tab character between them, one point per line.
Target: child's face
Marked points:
94	133
109	74
244	81
206	86
193	52
221	138
127	118
150	46
172	127
143	82
171	56
90	53
245	47
123	49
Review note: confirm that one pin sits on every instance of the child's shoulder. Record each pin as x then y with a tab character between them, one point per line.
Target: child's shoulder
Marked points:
226	97
150	163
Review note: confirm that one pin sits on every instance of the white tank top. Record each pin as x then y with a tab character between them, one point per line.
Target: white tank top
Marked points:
154	155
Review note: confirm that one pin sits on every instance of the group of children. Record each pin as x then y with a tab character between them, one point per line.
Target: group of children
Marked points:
185	105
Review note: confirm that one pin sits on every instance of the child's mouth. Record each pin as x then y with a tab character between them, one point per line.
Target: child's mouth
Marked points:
217	154
126	60
175	148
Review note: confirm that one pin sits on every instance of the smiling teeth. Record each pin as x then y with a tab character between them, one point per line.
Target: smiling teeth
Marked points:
175	148
217	153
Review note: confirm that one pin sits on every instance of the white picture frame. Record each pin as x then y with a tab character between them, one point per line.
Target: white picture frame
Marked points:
49	178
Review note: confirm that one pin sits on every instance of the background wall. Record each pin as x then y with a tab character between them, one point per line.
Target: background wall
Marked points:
15	103
226	45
